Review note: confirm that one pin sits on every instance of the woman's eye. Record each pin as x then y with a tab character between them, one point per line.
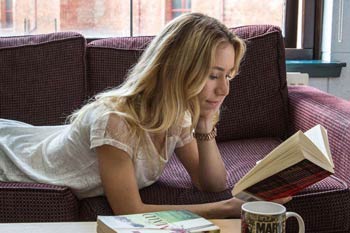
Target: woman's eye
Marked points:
213	77
228	77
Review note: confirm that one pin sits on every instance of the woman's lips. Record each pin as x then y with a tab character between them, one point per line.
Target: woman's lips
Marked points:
213	104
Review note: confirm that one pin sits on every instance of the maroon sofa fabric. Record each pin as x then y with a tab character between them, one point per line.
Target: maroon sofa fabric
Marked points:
323	206
257	103
27	202
310	106
110	59
42	77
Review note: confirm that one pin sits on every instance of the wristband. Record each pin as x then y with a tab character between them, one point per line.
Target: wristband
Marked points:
205	136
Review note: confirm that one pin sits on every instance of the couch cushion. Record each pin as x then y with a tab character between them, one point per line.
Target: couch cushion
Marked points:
324	207
257	103
258	99
42	77
108	60
28	202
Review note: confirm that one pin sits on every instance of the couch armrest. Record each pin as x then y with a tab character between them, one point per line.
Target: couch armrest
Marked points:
28	202
309	106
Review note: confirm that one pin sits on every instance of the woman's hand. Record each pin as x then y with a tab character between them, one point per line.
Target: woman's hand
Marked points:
231	208
283	200
207	121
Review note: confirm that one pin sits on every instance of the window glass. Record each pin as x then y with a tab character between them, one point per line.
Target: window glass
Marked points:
179	7
105	18
6	14
176	4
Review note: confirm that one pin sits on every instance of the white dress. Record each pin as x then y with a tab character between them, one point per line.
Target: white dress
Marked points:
65	155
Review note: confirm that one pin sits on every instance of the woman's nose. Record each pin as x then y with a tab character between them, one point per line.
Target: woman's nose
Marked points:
223	87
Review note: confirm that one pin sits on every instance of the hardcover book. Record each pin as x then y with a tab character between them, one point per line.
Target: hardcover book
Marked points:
174	221
300	161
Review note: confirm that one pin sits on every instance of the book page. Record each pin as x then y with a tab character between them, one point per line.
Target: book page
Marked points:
318	135
281	152
259	172
319	161
276	160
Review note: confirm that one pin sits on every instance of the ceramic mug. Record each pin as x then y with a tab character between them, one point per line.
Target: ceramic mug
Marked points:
267	217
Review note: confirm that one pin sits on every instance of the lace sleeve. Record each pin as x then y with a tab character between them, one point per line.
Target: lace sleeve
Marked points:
186	135
111	129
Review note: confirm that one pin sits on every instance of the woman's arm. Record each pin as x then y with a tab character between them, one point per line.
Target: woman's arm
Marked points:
203	162
202	158
120	186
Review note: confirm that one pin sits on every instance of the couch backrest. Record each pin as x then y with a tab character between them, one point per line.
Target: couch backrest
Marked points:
257	103
108	60
42	77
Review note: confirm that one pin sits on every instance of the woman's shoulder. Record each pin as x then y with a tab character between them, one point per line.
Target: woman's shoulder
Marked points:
184	124
106	115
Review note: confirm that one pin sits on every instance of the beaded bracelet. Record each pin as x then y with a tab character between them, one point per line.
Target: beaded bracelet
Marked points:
205	136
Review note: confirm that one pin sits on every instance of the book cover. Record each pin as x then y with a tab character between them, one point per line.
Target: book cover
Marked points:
162	221
297	163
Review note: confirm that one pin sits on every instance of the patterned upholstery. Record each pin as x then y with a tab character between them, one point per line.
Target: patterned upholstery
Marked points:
310	106
35	70
42	80
257	103
110	59
323	206
25	202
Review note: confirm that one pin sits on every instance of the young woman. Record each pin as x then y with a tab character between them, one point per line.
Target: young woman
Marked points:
120	141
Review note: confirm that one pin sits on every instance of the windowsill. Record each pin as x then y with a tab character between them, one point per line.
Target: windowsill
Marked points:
316	68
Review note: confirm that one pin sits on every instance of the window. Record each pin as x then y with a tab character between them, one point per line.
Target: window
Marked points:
107	18
303	29
6	20
177	7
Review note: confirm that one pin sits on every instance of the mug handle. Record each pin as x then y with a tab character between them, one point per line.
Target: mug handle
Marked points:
299	219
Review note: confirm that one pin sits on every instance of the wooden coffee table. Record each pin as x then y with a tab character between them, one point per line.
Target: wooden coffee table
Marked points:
226	226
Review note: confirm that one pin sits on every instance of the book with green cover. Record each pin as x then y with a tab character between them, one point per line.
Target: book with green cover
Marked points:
172	221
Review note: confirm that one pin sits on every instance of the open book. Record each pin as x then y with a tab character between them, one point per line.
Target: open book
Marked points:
300	161
172	221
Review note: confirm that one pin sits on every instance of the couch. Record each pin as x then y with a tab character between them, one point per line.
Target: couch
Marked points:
43	78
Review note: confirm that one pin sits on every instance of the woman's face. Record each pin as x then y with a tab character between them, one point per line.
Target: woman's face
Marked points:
217	86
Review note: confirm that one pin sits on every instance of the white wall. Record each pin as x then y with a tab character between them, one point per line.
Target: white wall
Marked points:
336	47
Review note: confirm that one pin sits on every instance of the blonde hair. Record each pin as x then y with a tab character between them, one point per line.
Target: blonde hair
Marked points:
169	75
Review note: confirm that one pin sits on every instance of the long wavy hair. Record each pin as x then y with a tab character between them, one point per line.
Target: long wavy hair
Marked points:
169	75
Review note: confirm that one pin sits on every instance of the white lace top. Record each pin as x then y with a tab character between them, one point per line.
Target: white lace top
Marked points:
65	155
